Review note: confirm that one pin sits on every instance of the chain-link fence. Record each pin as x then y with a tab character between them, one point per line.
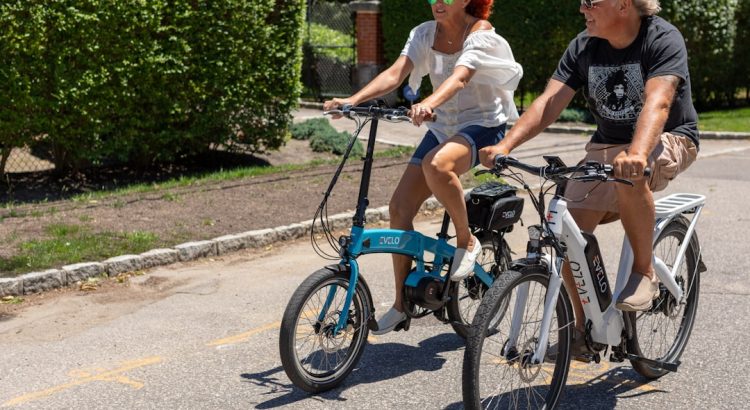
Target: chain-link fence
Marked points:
21	160
329	49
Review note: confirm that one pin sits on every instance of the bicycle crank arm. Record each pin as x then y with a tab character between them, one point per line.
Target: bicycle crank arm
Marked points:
670	367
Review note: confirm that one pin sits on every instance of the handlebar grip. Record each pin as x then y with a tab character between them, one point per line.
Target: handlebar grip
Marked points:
431	118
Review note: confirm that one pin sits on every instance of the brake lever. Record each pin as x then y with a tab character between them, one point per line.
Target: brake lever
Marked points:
622	181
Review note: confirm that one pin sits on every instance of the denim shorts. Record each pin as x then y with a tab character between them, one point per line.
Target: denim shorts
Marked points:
476	135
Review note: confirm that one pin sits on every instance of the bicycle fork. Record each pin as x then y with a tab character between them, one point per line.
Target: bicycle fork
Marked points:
332	290
519	311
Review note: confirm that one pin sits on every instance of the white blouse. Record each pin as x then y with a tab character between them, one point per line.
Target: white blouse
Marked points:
487	99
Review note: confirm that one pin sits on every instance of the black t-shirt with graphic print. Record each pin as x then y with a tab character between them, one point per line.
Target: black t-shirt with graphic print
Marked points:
613	80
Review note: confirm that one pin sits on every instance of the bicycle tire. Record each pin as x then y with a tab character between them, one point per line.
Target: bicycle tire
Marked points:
311	372
467	294
537	387
667	320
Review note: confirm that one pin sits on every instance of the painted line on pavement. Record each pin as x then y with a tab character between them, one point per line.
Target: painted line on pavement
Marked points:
239	338
244	336
82	377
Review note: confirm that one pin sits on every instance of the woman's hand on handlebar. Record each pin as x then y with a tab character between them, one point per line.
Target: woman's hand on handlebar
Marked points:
487	155
630	166
420	113
336	104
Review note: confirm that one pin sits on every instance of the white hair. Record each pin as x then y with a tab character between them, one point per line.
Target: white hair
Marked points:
647	7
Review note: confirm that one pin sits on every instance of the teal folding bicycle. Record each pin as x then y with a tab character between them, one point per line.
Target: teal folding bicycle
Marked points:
327	320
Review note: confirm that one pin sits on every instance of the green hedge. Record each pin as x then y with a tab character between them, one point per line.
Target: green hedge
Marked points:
539	31
536	38
127	80
324	138
742	48
709	28
319	34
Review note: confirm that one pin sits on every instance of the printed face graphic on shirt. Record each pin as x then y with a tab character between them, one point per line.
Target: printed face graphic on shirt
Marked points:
617	91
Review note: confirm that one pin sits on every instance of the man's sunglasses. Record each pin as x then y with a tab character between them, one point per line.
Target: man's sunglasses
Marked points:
590	3
448	2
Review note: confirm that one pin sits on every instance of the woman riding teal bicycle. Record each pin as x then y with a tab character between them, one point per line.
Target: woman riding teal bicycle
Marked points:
473	74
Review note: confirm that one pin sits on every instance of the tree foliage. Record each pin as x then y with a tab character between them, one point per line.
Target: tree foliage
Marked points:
716	32
142	81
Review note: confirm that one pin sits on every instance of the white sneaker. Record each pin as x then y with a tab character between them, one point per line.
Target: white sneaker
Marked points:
389	321
463	261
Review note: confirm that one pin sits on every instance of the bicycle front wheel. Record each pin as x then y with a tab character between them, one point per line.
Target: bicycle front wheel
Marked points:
468	293
314	355
662	332
498	372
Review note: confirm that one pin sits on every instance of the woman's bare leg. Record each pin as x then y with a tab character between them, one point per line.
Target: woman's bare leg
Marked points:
442	166
411	192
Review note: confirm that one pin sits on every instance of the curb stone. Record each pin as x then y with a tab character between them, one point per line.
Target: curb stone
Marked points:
36	282
80	272
10	287
70	275
123	264
158	257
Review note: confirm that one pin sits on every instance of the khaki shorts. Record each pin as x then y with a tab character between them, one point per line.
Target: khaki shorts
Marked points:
670	157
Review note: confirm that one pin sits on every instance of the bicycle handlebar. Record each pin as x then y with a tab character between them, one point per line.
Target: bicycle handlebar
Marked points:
389	114
556	170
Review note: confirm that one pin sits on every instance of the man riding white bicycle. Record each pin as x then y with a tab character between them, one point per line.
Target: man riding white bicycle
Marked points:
657	129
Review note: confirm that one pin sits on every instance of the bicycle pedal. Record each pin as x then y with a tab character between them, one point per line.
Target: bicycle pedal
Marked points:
668	366
613	358
403	325
372	323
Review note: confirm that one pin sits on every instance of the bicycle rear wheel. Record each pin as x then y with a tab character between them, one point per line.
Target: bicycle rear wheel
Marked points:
497	371
314	356
468	293
662	332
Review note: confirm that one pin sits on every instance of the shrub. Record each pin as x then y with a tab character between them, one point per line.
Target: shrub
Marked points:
335	142
319	34
576	115
307	128
716	31
709	28
147	81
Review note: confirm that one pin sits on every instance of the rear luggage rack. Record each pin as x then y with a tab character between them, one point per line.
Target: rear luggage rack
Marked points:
677	204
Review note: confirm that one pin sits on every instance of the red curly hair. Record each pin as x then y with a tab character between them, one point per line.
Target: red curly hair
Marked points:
480	8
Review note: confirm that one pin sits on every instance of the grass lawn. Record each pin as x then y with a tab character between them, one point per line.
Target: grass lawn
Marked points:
737	120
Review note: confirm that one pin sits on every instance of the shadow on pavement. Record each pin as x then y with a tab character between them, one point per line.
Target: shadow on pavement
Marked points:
589	388
403	359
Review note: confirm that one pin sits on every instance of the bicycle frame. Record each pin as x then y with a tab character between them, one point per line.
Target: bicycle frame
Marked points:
363	241
593	288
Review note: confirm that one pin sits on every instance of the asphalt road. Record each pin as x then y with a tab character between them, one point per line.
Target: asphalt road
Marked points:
205	335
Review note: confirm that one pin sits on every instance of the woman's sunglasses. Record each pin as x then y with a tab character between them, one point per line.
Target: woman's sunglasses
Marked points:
590	3
448	2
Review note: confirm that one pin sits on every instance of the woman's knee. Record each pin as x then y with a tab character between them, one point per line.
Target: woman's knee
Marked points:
435	165
401	212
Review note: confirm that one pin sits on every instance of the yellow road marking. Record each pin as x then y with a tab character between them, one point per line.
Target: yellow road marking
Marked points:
239	338
244	336
82	377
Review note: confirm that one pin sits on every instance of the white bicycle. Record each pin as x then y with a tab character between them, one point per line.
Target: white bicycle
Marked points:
518	353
